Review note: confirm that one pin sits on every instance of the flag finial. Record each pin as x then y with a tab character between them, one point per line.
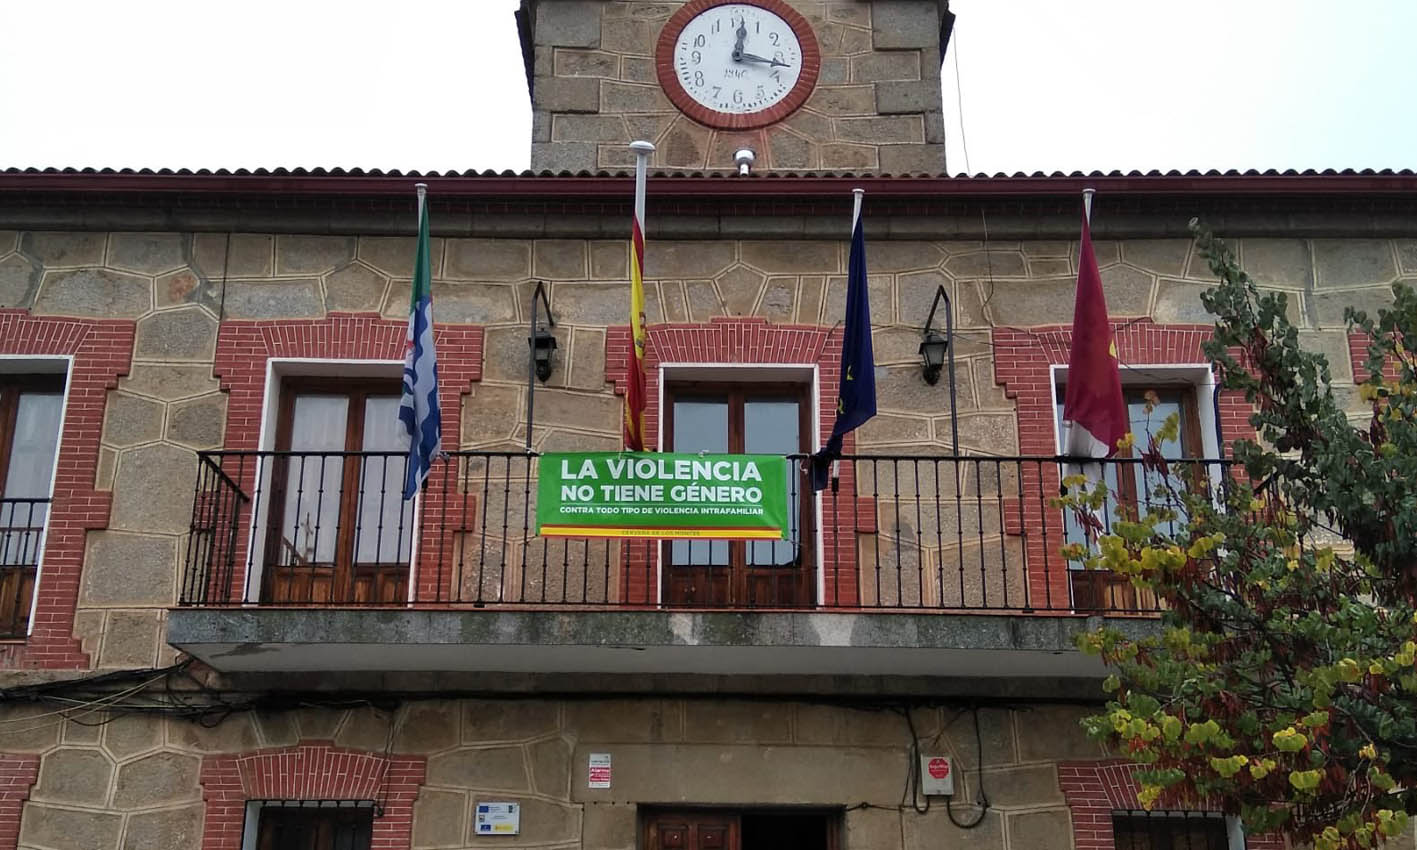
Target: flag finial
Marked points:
1087	202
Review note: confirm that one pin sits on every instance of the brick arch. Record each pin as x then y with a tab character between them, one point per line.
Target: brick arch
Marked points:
244	347
1094	790
1023	357
314	770
102	350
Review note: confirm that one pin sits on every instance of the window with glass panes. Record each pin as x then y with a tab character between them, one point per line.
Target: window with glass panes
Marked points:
741	418
1133	489
1141	830
338	529
30	412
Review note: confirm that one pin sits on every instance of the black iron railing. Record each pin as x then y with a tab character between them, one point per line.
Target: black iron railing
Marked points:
21	539
892	532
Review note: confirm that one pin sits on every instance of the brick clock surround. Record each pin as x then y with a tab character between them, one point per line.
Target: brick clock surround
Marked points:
669	80
313	770
102	350
1023	361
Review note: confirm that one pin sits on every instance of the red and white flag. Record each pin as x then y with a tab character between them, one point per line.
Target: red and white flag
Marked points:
1094	415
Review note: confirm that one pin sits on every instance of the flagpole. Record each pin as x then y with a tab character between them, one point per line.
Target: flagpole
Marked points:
1087	202
856	205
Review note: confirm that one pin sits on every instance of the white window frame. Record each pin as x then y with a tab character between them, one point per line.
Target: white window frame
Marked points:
1199	375
749	373
277	370
57	364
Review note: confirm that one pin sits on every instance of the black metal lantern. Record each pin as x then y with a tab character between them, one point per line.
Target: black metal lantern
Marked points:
933	348
935	354
543	352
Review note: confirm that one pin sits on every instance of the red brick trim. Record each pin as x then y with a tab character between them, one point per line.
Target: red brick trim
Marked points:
17	776
245	347
314	770
1023	358
1094	790
669	81
730	341
102	350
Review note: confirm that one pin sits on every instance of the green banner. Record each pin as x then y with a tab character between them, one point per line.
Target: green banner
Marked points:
629	494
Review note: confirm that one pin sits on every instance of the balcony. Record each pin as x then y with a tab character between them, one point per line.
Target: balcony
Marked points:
21	540
906	565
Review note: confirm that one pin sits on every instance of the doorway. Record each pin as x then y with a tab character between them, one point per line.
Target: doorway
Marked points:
745	829
741	418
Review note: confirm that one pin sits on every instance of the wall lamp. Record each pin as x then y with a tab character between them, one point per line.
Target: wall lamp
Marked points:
936	352
541	348
541	341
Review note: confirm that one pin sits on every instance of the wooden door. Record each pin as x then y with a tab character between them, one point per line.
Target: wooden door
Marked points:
338	528
692	831
315	828
770	419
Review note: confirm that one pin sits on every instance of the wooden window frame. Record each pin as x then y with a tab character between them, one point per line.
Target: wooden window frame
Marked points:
740	576
357	391
1101	589
11	388
17	582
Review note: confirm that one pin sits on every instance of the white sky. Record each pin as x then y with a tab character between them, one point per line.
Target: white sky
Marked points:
427	84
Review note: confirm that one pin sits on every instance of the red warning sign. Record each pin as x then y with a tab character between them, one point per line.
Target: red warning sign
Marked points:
938	768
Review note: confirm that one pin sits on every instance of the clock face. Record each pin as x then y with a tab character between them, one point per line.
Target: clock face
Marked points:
737	65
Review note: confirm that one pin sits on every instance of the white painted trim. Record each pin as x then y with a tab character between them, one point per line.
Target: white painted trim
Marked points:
1201	375
250	825
1234	833
811	372
282	367
43	365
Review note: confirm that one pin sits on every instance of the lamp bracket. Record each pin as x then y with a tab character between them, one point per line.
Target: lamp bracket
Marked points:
940	294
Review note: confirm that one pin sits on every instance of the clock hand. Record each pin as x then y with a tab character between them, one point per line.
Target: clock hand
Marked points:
738	47
752	58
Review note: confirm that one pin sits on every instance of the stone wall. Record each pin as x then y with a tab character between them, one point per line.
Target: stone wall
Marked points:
876	107
171	286
136	782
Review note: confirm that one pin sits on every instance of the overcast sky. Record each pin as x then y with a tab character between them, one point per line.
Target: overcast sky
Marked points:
426	84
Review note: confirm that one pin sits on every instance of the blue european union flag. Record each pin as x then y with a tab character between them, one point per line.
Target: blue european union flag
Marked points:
856	397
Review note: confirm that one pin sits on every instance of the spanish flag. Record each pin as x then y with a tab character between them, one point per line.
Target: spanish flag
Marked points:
635	361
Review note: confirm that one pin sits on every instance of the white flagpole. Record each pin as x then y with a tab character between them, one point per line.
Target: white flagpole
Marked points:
642	151
414	543
1087	202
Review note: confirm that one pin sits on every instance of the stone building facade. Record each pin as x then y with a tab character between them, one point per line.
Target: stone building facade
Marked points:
161	321
173	682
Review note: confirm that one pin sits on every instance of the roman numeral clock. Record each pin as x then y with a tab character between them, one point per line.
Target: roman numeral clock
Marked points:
737	65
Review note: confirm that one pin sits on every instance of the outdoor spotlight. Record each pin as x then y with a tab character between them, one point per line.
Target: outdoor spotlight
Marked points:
543	352
933	348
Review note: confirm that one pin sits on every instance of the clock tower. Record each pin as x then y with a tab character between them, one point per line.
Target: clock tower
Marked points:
820	85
